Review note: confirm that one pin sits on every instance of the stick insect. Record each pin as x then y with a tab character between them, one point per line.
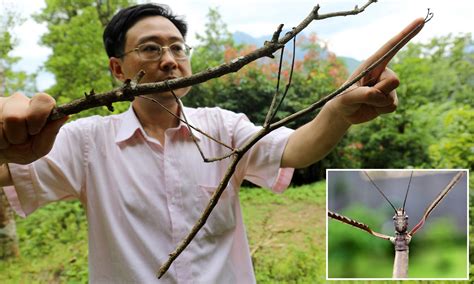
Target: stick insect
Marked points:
402	237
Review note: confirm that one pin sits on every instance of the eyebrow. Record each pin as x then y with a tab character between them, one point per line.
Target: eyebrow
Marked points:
158	38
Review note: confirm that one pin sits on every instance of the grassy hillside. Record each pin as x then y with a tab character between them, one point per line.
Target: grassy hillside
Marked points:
286	234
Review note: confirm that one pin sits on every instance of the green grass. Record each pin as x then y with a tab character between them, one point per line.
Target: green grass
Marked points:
53	246
285	231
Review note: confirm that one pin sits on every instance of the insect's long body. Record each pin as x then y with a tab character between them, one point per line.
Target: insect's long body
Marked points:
400	242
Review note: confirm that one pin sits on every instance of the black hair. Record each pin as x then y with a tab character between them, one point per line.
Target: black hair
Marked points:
114	33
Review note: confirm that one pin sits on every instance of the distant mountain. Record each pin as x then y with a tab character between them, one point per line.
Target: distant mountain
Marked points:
241	37
351	63
244	38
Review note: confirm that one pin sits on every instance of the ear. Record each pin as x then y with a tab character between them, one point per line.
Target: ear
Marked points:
115	65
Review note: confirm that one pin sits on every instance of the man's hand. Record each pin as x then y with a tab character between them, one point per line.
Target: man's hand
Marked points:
375	93
361	103
25	133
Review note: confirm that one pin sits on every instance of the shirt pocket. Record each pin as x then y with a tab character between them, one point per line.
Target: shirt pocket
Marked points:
222	217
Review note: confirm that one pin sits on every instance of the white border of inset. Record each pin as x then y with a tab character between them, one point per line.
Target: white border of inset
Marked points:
409	170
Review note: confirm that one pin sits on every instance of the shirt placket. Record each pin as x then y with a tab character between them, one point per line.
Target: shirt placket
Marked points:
175	204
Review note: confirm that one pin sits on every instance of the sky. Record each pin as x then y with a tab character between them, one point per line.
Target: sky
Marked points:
353	36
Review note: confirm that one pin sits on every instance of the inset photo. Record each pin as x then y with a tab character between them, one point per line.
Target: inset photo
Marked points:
397	224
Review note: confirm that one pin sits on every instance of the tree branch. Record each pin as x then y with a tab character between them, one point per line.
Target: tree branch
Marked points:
128	92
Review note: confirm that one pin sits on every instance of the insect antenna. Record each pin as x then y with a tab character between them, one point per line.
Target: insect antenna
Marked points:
406	194
381	192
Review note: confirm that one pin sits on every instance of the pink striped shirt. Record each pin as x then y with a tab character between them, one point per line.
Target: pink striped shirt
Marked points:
142	198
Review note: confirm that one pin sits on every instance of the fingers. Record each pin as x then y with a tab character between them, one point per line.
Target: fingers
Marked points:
21	117
13	119
390	107
38	112
382	96
404	37
25	132
386	85
388	82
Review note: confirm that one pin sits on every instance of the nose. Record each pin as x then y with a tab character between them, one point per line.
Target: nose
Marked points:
167	60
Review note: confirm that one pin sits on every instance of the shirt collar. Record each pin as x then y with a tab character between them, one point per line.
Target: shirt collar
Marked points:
130	124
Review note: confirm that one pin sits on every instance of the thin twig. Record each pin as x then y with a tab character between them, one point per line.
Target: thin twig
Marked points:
191	126
270	112
288	85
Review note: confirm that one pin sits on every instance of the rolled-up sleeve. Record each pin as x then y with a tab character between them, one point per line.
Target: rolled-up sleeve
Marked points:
261	164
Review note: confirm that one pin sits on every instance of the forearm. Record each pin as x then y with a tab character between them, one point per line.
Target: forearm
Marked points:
5	177
314	140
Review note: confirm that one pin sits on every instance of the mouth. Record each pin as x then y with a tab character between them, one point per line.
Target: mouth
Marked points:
169	78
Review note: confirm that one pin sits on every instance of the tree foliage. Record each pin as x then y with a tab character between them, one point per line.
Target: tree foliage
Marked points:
214	41
454	149
78	62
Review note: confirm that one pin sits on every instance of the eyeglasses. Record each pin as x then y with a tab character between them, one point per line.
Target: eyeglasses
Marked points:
153	51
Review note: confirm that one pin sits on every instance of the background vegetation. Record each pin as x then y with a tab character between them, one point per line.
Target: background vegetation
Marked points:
53	240
437	251
432	128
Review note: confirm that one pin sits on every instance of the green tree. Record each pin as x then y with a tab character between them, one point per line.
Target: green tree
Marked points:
209	53
455	148
439	70
213	42
78	62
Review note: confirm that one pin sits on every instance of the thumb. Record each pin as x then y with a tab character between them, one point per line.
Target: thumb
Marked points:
365	95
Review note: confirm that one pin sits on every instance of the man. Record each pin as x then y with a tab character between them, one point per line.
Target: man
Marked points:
139	174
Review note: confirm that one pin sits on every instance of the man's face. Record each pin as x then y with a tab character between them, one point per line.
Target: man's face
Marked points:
154	30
